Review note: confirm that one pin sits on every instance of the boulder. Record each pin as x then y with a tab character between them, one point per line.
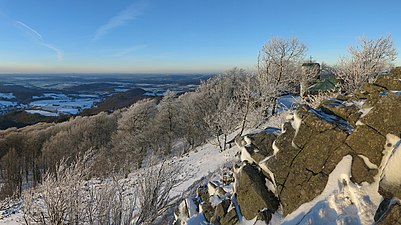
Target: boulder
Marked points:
261	145
349	113
320	147
252	193
389	82
385	117
312	118
361	172
368	142
207	209
223	215
205	206
230	218
280	164
396	72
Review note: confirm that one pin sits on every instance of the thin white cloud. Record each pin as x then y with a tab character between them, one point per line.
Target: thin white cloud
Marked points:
59	53
29	30
129	50
130	13
39	39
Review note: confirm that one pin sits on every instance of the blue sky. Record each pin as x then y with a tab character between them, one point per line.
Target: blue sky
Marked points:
135	36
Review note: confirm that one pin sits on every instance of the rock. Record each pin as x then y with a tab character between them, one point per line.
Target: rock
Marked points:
319	148
347	112
203	193
385	117
306	188
223	215
280	164
382	209
205	206
392	216
335	157
389	82
366	141
396	72
231	218
181	214
373	88
312	119
220	192
252	193
361	172
207	209
261	145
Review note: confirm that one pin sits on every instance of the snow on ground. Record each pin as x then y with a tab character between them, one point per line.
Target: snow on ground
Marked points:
41	112
288	102
62	104
203	162
7	96
6	104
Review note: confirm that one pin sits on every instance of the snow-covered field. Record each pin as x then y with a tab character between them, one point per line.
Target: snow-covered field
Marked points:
62	104
7	95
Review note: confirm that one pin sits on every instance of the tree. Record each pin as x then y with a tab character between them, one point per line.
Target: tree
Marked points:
131	141
366	59
278	68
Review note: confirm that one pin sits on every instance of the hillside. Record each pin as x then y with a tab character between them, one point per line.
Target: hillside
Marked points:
330	163
337	164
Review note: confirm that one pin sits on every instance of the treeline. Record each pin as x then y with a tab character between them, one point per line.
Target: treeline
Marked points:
124	139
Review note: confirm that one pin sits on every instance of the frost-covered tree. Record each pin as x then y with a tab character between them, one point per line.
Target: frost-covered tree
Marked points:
222	101
367	58
279	68
194	129
131	141
167	124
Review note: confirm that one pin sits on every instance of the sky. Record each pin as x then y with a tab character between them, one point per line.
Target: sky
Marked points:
179	36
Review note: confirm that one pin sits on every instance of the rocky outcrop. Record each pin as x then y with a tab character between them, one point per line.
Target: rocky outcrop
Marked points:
304	153
225	214
260	145
252	193
385	117
293	168
316	140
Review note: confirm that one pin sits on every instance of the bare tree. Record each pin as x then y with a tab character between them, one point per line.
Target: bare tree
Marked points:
154	191
278	68
366	59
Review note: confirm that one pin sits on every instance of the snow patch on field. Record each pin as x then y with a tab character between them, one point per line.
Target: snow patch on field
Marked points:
7	96
41	112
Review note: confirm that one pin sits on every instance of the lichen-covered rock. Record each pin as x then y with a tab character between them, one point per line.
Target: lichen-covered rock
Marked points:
205	206
261	145
360	171
320	147
304	161
368	142
389	82
349	113
224	215
280	164
252	193
207	209
231	218
385	117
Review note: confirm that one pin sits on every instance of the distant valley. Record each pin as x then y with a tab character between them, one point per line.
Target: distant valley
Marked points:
29	99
